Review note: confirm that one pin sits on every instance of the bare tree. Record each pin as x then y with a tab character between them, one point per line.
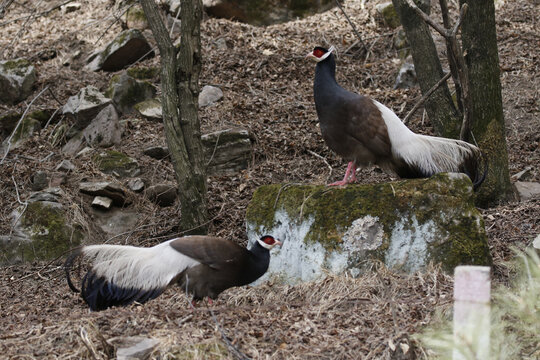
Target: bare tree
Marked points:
476	114
180	90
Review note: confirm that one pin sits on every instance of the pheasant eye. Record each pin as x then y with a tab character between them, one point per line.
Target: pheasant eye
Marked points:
318	52
268	240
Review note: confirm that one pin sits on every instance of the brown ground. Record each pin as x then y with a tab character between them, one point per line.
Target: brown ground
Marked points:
270	94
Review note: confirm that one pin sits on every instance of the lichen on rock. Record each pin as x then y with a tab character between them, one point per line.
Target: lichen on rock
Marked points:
404	224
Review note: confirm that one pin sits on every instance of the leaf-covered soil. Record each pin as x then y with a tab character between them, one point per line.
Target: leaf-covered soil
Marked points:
268	89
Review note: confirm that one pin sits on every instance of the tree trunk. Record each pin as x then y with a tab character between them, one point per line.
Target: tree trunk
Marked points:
479	42
440	107
179	85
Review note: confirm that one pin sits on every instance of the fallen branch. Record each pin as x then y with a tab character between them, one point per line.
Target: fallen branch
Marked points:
425	97
352	25
233	349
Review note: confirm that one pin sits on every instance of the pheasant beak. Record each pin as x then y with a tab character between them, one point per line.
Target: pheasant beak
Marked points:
309	55
279	243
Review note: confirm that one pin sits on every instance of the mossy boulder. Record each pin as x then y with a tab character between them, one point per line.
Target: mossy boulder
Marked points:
42	232
17	78
125	91
33	121
265	12
127	48
84	106
116	163
388	14
404	224
135	18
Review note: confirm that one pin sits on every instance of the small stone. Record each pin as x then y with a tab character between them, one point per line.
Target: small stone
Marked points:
209	95
71	7
135	184
105	188
536	242
40	181
150	109
162	194
528	190
126	92
133	347
102	202
157	152
65	166
388	14
17	77
406	78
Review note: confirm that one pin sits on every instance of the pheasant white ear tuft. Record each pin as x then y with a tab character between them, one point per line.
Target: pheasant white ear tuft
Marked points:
327	54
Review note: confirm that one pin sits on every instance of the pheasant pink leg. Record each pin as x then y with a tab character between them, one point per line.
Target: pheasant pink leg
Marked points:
349	173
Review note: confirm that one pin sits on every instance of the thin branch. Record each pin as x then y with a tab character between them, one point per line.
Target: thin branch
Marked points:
19	123
233	349
352	25
425	97
444	32
4	7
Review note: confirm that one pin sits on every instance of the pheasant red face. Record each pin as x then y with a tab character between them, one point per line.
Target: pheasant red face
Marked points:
268	242
320	53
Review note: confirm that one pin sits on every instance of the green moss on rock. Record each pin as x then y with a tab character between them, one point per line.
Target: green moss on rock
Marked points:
116	162
441	209
50	234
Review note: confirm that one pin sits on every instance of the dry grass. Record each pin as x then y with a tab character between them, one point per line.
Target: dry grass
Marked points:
267	86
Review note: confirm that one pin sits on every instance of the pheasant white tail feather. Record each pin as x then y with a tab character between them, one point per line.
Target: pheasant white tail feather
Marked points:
416	155
120	275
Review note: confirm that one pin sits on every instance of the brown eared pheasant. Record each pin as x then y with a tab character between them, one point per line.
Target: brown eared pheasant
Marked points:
365	132
202	265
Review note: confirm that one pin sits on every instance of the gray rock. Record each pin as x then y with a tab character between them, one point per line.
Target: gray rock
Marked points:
51	195
227	151
406	77
388	14
174	7
116	221
127	48
136	18
209	95
108	189
150	109
126	92
528	190
104	130
39	181
74	144
84	106
162	194
536	242
102	202
41	231
157	152
135	184
347	229
117	164
71	7
65	166
133	347
17	77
